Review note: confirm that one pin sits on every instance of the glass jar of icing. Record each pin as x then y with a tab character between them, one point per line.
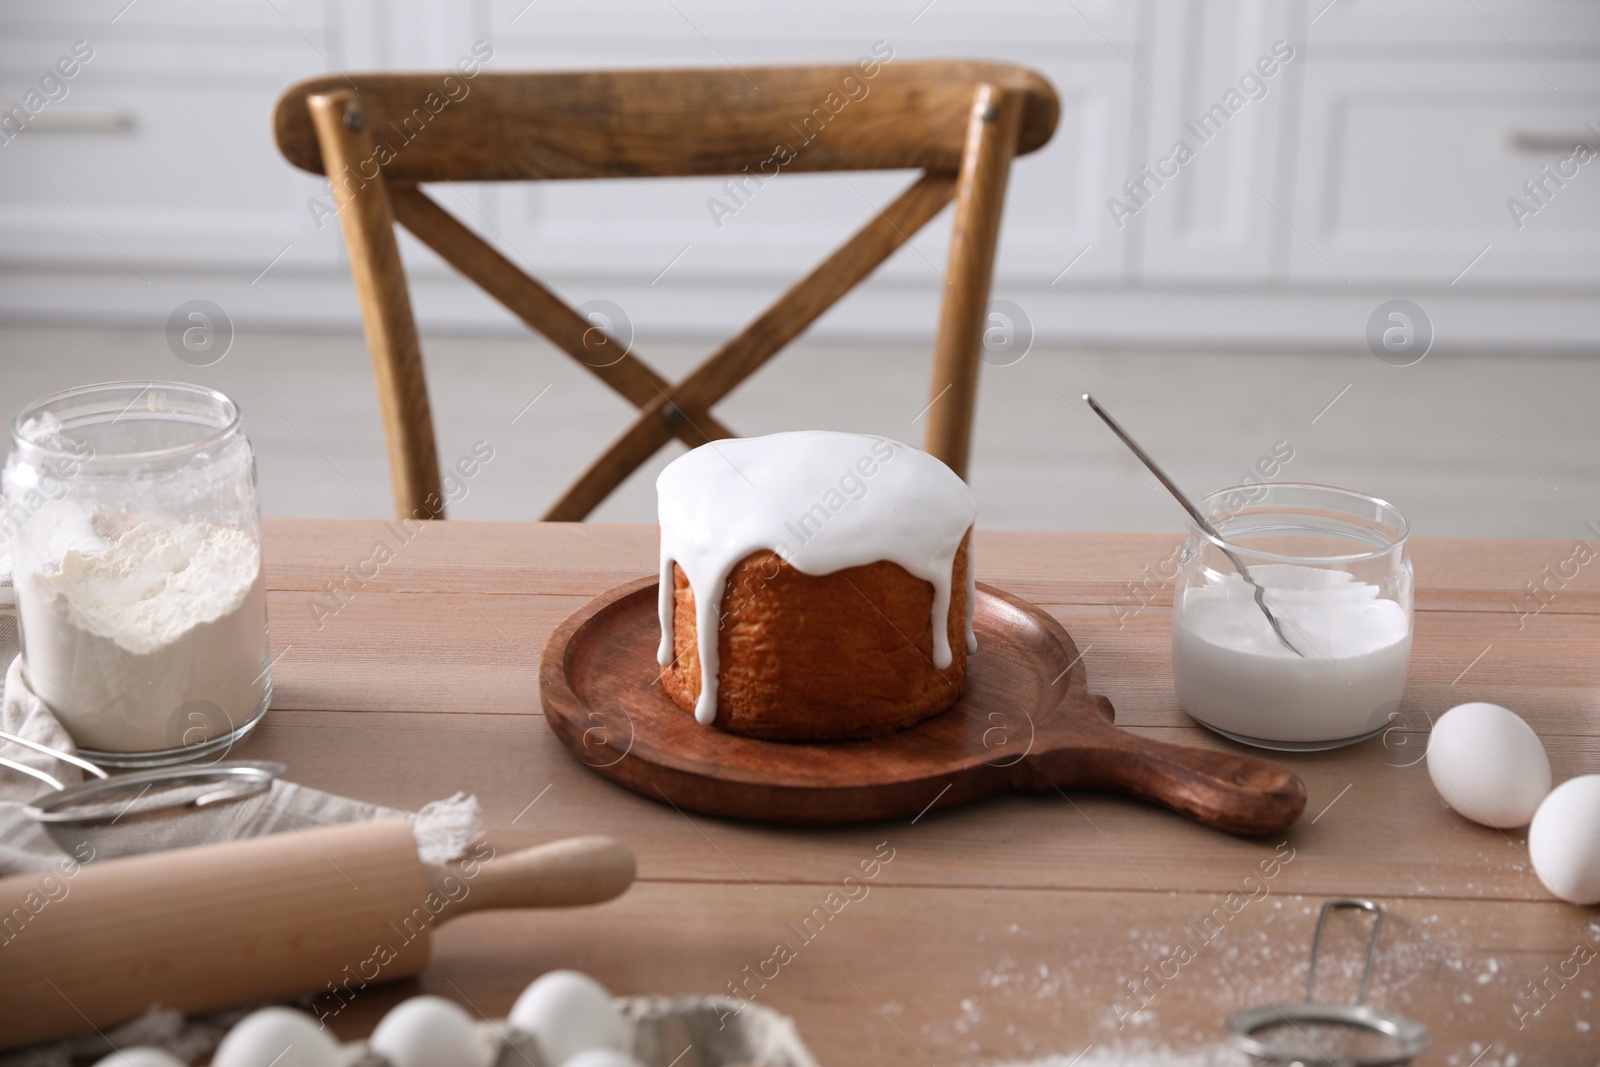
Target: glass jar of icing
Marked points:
135	539
1336	572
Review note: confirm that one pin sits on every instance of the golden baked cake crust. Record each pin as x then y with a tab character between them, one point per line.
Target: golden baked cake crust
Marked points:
811	658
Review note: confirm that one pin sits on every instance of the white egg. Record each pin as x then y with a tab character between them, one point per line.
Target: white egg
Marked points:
602	1057
1564	840
568	1012
430	1032
1488	765
140	1057
277	1037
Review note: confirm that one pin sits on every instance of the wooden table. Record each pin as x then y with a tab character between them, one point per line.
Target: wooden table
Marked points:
1006	930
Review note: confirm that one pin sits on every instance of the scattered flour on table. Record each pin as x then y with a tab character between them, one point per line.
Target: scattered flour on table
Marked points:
1143	1054
1447	971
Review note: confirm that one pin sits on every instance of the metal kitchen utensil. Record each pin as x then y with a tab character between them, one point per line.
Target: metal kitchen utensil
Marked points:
141	811
1199	519
1314	1034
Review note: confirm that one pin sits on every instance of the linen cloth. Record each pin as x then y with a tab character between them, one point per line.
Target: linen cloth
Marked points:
443	829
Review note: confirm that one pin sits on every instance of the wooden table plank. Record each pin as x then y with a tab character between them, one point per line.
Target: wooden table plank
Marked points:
532	789
553	557
1548	673
1058	568
449	652
485	650
907	977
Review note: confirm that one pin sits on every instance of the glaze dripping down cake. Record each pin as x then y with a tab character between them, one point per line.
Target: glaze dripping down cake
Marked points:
814	585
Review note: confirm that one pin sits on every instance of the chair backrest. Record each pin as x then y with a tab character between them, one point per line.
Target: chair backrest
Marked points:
375	136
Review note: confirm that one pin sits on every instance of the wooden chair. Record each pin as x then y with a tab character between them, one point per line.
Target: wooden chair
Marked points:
376	136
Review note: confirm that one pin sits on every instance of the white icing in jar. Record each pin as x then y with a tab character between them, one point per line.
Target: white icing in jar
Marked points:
823	502
1337	575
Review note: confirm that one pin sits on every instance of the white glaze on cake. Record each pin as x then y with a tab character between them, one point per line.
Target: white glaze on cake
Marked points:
823	502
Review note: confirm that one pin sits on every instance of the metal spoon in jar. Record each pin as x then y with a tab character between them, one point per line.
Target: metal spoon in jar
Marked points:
1199	519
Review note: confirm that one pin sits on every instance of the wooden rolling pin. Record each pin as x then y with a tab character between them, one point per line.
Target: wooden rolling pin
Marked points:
326	911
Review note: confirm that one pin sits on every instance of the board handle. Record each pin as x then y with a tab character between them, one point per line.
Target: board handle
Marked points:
1235	794
558	874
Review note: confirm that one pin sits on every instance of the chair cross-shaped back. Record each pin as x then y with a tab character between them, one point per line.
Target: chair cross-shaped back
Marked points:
376	136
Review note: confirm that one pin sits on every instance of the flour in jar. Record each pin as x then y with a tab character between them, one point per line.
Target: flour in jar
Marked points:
157	641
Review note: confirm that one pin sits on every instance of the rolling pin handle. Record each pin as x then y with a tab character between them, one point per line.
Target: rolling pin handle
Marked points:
558	874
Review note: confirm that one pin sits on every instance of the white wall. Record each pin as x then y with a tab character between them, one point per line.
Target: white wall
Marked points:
1377	163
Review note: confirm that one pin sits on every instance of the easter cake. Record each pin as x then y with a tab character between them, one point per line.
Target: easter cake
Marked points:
814	585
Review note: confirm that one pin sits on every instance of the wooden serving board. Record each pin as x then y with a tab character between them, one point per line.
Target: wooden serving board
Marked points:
1026	723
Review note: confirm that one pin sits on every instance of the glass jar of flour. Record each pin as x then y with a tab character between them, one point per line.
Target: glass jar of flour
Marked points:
1335	570
135	542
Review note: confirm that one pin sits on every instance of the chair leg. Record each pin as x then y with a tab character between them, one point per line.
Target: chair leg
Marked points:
981	190
367	219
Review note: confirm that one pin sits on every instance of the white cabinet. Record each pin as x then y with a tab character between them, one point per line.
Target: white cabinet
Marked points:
1409	176
1227	76
1378	158
1451	29
187	181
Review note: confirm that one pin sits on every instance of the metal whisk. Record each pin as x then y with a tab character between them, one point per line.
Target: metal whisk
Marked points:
141	811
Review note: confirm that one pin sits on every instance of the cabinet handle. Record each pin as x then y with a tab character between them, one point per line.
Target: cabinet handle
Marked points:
82	120
1541	143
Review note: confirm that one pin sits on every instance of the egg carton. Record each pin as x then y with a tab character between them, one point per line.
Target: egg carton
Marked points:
665	1032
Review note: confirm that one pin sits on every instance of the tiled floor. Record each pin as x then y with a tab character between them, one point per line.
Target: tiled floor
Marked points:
1465	446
